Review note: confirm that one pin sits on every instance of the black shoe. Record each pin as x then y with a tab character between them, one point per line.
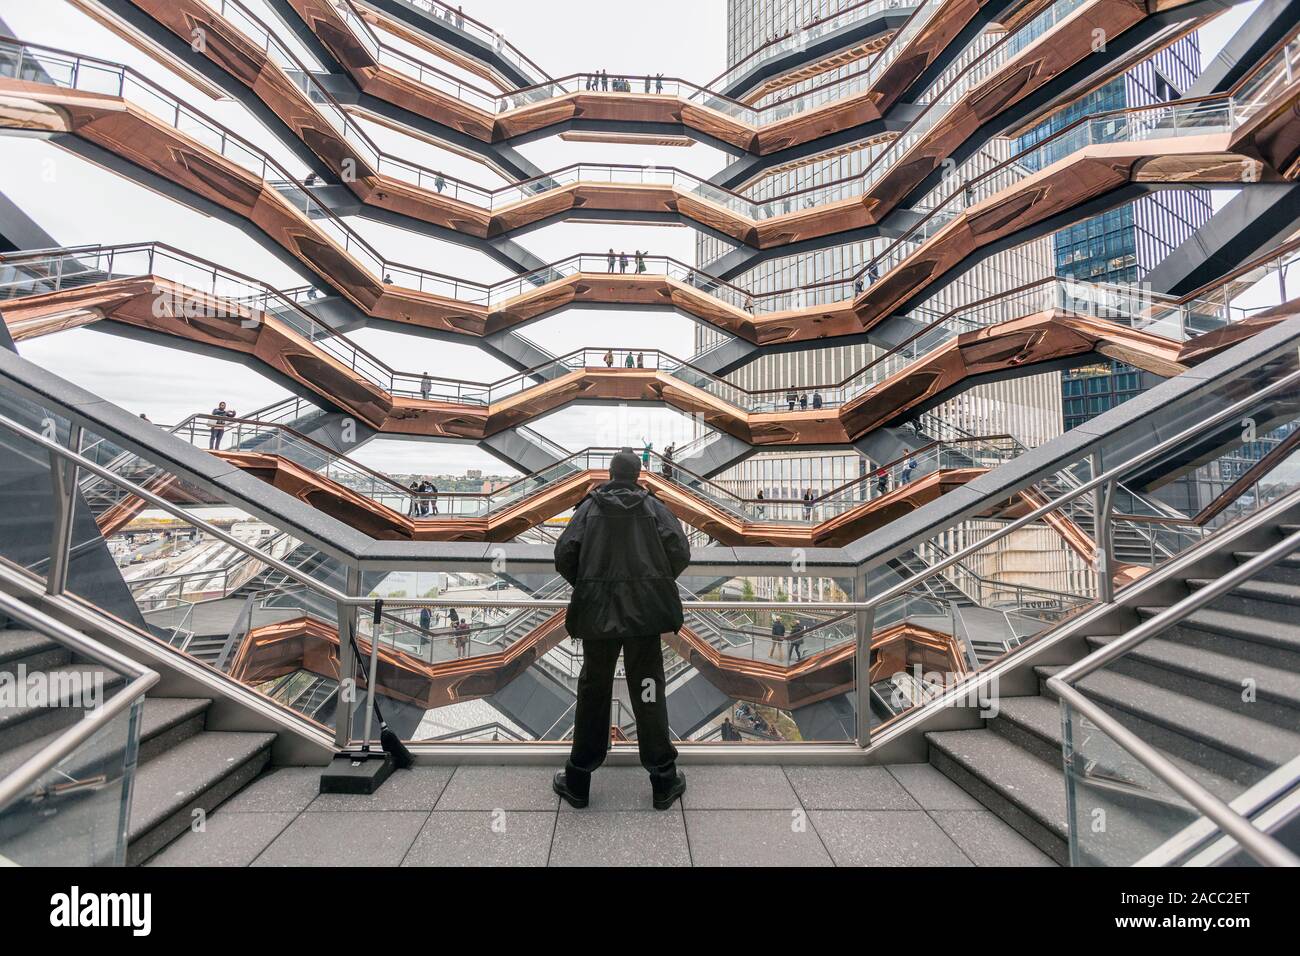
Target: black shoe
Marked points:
666	799
560	784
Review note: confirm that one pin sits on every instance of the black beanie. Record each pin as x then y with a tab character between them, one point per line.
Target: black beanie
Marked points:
625	466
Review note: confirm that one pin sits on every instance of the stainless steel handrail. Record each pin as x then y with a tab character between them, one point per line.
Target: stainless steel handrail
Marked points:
902	587
1200	841
31	770
349	603
1260	846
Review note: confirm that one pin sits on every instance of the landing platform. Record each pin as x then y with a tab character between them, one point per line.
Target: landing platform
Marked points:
904	815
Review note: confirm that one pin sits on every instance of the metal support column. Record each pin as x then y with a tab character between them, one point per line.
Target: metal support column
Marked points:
63	477
1102	505
864	624
347	626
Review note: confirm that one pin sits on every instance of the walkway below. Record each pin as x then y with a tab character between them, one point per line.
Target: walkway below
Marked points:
903	815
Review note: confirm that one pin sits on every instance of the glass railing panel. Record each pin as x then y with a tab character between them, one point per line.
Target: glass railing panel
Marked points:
1223	477
518	490
711	493
967	615
806	646
754	637
30	507
424	73
1267	80
429	641
185	584
1119	810
1004	589
75	814
185	589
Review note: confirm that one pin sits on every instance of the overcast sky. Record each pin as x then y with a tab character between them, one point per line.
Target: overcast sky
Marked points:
78	203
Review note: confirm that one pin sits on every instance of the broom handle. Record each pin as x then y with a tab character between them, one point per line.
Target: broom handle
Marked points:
370	672
374	703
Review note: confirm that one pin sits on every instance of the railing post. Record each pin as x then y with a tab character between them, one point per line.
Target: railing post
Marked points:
1102	498
63	476
864	623
347	627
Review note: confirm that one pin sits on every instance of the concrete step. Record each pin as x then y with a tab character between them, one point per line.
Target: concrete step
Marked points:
1285	593
165	722
1026	792
198	773
1121	823
1274	642
1286	571
1034	723
1229	744
31	649
30	719
1218	678
1269	600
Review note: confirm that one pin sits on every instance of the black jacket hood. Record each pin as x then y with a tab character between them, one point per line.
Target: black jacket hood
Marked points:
619	496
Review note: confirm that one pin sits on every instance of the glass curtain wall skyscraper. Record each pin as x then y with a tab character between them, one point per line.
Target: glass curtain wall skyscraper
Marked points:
1124	244
1029	408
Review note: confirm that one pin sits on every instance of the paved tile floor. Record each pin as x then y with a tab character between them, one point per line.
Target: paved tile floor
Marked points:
907	815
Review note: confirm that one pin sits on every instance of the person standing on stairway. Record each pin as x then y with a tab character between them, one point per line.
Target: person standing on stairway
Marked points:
622	552
219	427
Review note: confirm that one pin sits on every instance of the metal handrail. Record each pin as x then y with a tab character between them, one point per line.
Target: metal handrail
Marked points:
1155	451
929	423
1272	800
1260	846
380	156
554	176
1019	588
31	770
502	100
71	460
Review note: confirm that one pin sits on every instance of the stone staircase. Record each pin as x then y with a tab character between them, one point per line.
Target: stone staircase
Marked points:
181	765
1182	692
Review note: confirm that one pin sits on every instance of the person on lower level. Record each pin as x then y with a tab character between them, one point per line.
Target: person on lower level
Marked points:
622	552
909	472
796	641
774	651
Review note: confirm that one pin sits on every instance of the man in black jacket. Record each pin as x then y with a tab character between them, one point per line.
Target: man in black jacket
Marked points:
622	552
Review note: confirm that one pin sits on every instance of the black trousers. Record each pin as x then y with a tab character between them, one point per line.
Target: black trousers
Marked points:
643	662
